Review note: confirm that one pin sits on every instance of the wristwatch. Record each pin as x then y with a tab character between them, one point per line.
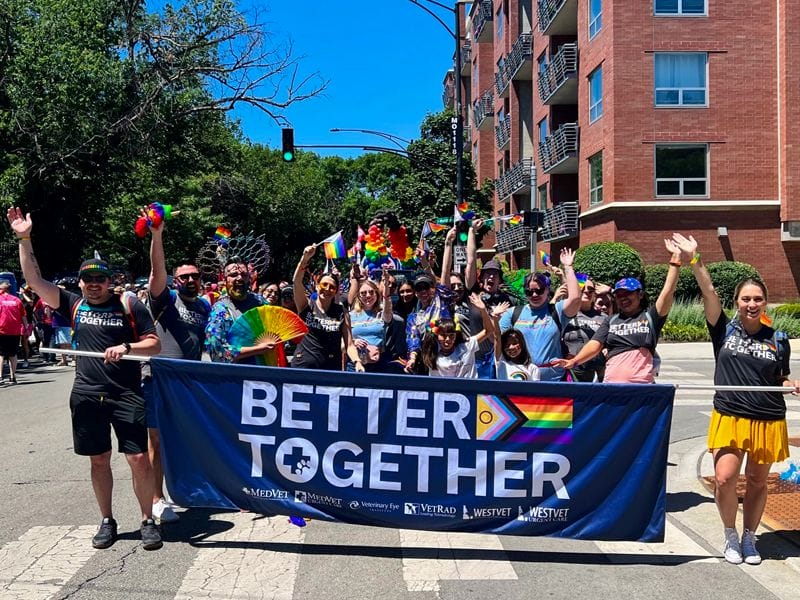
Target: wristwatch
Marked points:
127	347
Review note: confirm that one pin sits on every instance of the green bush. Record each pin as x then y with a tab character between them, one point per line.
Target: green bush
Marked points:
608	262
677	332
726	275
791	309
788	324
687	313
687	289
654	277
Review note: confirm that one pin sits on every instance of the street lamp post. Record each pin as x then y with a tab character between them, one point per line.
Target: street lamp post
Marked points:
395	139
457	121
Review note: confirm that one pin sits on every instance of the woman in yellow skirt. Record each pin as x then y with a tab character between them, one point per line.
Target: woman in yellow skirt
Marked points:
748	352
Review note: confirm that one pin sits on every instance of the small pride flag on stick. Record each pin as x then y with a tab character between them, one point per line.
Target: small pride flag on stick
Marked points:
334	246
544	257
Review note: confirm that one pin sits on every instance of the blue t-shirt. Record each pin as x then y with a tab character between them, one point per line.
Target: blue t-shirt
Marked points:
542	336
367	327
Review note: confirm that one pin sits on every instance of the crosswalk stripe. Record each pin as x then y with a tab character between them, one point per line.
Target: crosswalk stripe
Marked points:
42	560
676	547
237	572
424	574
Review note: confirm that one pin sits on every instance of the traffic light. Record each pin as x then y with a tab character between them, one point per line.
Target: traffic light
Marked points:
462	229
288	144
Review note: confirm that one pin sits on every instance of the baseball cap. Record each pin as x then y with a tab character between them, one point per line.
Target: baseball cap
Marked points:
423	278
491	265
629	283
95	266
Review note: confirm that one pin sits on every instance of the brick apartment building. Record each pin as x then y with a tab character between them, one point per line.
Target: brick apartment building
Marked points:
626	120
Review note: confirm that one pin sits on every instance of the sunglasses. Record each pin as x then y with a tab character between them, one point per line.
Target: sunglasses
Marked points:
94	278
327	286
534	292
589	290
187	276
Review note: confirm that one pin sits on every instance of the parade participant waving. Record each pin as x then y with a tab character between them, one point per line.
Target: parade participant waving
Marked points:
327	320
540	322
744	423
631	335
370	317
107	391
510	351
578	330
180	317
447	352
227	309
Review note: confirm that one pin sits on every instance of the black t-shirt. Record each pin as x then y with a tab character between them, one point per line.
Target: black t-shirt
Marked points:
180	323
580	329
97	327
744	359
620	334
476	321
321	348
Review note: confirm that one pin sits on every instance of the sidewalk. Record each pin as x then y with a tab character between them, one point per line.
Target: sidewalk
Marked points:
704	350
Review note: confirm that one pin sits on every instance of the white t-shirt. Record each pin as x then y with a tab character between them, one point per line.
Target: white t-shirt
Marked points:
459	363
517	372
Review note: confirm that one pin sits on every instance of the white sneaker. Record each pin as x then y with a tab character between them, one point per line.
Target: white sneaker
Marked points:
733	550
163	513
751	555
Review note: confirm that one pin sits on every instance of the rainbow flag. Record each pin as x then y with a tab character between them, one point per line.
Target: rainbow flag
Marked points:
222	234
334	246
544	257
582	278
463	213
524	419
547	420
430	227
515	219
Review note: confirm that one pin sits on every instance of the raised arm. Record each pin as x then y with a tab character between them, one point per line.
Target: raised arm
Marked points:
497	312
447	257
488	327
471	270
711	303
158	265
573	302
22	227
300	298
667	295
387	297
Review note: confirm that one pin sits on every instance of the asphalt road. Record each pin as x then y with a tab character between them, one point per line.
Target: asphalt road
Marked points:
49	514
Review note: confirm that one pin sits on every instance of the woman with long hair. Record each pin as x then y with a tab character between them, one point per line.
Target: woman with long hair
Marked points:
327	320
581	328
748	352
370	317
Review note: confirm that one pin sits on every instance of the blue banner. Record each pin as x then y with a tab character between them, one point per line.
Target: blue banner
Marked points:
584	461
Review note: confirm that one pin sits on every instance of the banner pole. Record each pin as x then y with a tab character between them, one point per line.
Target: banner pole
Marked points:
733	388
70	351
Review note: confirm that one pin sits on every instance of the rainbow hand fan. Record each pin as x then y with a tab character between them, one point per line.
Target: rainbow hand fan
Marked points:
267	324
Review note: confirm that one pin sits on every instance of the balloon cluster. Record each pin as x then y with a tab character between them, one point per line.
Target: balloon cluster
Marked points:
157	213
375	251
398	240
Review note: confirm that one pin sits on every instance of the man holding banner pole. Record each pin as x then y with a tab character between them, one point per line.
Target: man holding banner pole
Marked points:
106	392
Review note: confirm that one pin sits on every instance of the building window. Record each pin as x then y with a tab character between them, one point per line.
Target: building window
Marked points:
499	18
542	62
596	94
542	131
542	197
596	179
682	170
680	7
595	17
680	78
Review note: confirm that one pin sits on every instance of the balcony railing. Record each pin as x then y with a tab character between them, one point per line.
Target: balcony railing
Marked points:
559	152
502	132
558	83
484	109
560	222
519	179
483	15
501	80
558	17
518	64
466	59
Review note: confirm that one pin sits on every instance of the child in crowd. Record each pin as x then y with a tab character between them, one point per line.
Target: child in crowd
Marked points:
511	352
447	352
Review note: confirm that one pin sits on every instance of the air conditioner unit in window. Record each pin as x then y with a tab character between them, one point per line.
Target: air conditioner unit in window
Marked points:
790	231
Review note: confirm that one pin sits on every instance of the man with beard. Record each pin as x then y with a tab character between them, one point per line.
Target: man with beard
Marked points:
488	286
181	316
107	390
229	308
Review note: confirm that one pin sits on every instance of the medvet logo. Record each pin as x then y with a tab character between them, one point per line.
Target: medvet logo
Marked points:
381	507
270	494
485	512
318	499
543	514
421	509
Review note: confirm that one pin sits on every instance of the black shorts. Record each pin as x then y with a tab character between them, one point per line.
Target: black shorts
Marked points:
9	345
94	415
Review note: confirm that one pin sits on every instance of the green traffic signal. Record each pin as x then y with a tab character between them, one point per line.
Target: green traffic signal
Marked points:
287	138
288	156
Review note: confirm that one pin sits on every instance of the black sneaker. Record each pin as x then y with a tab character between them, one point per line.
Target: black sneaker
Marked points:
151	536
106	534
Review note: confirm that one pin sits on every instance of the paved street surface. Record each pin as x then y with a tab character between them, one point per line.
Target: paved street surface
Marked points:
49	516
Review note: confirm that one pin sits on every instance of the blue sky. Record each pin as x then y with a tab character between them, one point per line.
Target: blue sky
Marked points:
385	61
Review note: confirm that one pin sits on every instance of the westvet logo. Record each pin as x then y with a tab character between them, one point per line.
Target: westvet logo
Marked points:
318	499
269	493
543	514
485	512
421	509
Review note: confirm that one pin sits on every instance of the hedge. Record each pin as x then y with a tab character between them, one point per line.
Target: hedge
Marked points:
608	262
